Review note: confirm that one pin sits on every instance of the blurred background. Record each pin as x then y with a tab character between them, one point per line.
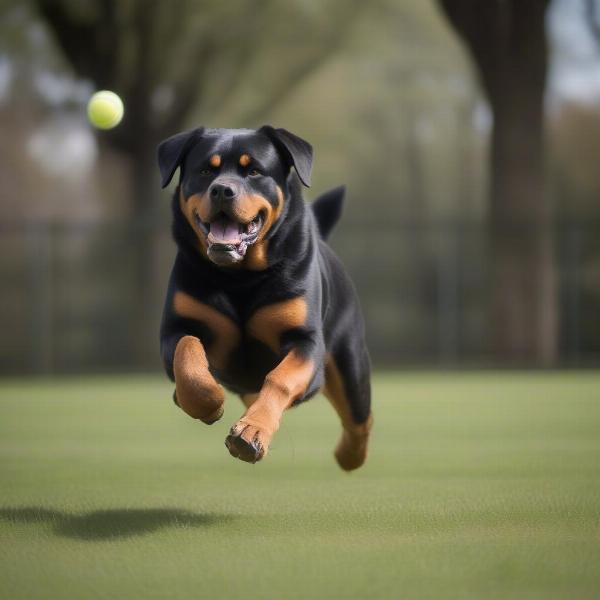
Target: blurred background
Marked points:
467	133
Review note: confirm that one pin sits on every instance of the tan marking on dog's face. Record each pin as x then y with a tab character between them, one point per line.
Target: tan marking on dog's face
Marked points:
199	203
244	210
269	322
215	161
256	258
195	202
244	160
226	333
275	213
248	206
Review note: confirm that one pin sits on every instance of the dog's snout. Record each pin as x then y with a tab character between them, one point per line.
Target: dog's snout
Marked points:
223	191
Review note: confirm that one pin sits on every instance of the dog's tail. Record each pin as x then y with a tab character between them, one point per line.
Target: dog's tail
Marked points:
327	209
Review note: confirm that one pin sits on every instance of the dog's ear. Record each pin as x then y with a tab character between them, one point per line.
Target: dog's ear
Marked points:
297	152
172	151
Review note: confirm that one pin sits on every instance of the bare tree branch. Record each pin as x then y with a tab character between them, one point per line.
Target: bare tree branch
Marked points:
243	51
295	76
507	42
188	91
82	42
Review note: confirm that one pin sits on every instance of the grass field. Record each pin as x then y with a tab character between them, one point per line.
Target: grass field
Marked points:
478	486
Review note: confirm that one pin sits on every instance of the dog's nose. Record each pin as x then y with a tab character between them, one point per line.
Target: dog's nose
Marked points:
223	192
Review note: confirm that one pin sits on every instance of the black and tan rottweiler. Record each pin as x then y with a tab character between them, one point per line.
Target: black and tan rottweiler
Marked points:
257	300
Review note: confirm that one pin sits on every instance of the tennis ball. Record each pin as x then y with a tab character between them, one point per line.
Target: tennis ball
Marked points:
105	110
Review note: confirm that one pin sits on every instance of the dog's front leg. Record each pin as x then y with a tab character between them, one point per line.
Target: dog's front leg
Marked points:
250	437
196	390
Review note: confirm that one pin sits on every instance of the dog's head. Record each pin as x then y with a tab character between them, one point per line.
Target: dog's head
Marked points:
232	184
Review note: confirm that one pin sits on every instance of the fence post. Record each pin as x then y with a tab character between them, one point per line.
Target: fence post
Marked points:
41	298
570	269
448	274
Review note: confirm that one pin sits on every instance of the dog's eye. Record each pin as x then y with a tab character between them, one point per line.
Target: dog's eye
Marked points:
205	172
253	172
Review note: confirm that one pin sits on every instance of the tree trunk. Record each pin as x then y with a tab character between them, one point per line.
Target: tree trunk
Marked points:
524	304
507	41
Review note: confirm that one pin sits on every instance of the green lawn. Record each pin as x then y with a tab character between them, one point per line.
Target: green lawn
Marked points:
478	486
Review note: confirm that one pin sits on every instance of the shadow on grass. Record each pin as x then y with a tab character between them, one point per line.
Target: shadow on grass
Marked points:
111	524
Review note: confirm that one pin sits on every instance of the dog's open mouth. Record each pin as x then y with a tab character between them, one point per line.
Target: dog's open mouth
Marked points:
227	239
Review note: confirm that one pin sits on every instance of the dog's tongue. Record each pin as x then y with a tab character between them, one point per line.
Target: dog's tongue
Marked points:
225	231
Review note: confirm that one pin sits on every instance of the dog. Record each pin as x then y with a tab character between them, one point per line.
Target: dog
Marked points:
257	301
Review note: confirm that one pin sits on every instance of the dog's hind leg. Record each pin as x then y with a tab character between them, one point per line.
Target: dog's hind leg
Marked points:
348	388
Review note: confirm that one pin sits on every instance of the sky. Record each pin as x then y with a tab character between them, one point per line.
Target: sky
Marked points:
574	72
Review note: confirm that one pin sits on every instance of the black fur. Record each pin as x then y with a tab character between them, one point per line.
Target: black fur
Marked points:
300	263
172	151
327	209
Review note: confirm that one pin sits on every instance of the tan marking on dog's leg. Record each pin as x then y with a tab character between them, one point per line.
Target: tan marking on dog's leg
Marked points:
351	451
226	333
248	399
197	392
250	437
257	255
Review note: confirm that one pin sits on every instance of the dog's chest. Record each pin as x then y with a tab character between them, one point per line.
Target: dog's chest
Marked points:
241	352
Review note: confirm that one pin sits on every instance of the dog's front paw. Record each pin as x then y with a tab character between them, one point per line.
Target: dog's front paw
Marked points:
196	391
248	442
199	401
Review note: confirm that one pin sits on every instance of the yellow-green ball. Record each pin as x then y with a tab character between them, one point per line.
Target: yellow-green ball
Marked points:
105	110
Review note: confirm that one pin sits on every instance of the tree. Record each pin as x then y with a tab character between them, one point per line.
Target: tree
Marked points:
168	59
507	42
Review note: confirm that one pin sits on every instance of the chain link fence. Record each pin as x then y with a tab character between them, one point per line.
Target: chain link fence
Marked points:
70	303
